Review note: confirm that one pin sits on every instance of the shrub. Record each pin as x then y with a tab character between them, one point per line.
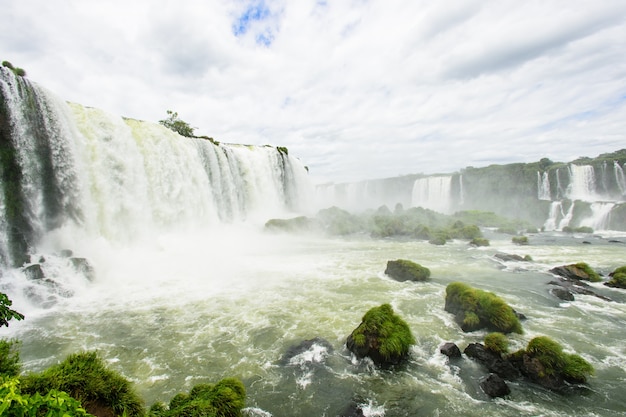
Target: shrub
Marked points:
282	149
53	404
173	122
572	368
84	377
383	333
492	312
520	240
405	270
10	357
6	313
497	343
224	399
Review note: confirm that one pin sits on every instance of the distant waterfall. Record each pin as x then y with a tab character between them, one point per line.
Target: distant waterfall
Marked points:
620	178
432	193
543	186
68	166
599	219
582	184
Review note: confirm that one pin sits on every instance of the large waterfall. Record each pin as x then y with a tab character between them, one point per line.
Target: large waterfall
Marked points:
70	171
433	193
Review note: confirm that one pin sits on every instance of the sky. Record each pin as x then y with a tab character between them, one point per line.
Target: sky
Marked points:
357	89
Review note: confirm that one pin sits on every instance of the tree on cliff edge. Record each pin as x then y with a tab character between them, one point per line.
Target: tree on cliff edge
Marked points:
177	125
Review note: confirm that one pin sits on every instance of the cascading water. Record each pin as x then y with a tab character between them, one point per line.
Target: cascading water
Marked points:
599	219
620	179
90	173
582	184
543	186
432	193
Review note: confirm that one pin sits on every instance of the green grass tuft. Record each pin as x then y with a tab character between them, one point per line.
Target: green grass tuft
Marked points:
497	342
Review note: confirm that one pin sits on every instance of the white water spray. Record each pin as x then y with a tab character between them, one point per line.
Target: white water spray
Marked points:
543	186
432	193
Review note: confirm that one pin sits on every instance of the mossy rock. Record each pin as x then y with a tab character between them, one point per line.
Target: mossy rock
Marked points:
476	309
405	270
618	278
580	271
520	240
479	241
497	343
224	399
382	336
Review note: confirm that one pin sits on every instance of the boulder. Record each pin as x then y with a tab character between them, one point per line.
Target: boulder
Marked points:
451	350
405	270
494	386
579	272
494	362
82	266
508	257
382	336
34	272
562	293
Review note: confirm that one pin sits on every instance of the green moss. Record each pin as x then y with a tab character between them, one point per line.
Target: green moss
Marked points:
593	275
85	377
618	278
520	240
282	150
497	342
392	333
550	353
479	241
10	357
491	310
439	240
405	270
224	399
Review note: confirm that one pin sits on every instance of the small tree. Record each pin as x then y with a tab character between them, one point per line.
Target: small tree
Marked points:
177	125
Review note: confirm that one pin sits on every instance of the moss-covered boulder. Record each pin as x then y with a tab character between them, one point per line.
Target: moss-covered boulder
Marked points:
224	399
618	278
382	336
476	309
85	377
520	240
405	270
479	241
544	362
579	272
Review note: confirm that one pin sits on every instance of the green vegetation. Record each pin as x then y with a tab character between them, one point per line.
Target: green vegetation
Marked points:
16	70
173	122
497	343
618	278
6	313
84	377
224	399
479	241
381	329
592	275
14	403
572	368
581	229
405	270
520	240
10	357
476	309
297	224
282	150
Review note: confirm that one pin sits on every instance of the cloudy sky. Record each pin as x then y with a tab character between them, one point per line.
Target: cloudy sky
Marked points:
357	89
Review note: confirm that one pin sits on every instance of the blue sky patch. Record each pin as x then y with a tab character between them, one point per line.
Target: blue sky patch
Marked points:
255	12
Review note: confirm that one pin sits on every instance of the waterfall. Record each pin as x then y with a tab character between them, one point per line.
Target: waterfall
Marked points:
567	217
432	193
554	216
65	166
620	179
461	191
582	184
599	218
543	186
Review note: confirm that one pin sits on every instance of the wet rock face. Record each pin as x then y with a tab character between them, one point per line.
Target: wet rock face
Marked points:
451	350
494	386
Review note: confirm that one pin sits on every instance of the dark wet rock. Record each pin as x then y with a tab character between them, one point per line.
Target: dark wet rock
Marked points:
576	287
354	409
494	386
66	253
305	346
492	361
82	266
451	350
562	293
615	241
34	272
532	369
405	270
579	272
586	242
508	257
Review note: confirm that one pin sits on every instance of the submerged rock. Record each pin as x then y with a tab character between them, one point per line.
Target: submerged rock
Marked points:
508	257
405	270
562	293
316	345
579	272
494	362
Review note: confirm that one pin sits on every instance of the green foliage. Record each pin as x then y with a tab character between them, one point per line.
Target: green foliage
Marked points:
556	362
6	313
618	278
438	239
85	377
173	122
282	150
392	333
405	270
53	404
16	70
520	240
491	310
491	219
224	399
581	229
479	241
10	357
497	342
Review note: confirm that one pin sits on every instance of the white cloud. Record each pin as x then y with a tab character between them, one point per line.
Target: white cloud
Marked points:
357	89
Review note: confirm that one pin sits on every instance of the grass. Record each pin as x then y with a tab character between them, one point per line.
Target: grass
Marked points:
593	275
481	309
571	367
497	343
